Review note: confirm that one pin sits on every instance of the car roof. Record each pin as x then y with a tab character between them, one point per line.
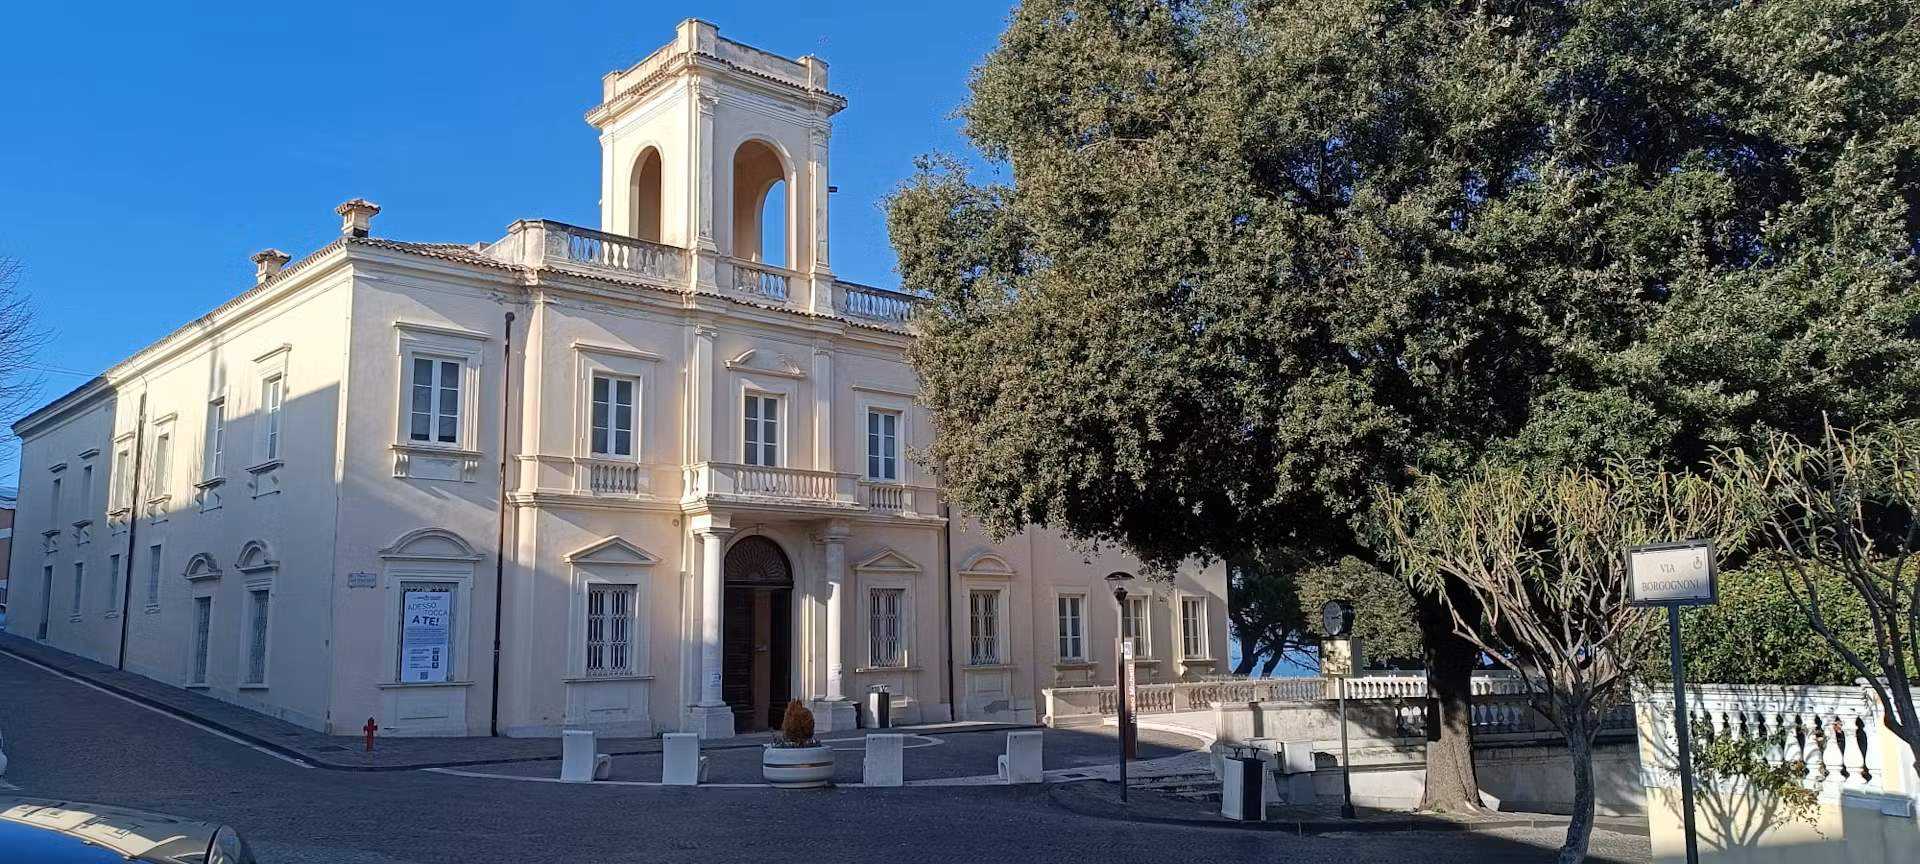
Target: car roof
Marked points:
68	828
21	843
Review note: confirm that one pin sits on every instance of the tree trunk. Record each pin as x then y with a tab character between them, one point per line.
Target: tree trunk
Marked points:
1249	655
1580	825
1451	786
1273	660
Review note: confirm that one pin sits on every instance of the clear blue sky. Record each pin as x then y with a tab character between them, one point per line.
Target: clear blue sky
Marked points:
146	149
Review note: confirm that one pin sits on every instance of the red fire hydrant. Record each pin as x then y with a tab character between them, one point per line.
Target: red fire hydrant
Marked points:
370	728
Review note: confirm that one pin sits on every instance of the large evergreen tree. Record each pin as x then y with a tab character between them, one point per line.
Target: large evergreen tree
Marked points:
1245	261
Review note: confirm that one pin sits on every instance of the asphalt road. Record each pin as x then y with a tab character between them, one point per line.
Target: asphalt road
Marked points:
65	740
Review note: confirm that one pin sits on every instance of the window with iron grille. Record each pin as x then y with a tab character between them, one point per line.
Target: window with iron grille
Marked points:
202	635
609	630
1134	624
1193	639
612	420
884	646
257	638
1072	627
984	627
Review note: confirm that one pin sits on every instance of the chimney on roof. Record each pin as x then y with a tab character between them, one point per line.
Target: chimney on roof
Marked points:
267	262
355	216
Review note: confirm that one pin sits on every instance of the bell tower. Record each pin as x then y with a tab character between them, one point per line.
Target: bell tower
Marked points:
720	149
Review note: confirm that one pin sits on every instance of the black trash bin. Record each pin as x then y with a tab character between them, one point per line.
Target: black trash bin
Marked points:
880	707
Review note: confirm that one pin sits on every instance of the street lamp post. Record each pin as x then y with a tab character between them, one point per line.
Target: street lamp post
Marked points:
1336	618
1119	579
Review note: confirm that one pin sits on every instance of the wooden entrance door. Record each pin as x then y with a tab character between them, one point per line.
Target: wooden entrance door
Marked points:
757	634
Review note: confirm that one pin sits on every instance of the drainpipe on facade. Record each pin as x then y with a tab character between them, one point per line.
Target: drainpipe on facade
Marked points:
133	526
500	541
946	565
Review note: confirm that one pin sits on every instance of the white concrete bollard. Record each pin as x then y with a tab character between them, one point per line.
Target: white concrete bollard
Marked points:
884	763
576	756
680	759
1022	762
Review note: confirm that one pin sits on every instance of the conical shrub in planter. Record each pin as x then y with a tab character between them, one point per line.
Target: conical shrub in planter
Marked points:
796	759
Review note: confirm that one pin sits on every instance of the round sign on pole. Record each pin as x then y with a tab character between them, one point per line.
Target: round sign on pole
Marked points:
1336	617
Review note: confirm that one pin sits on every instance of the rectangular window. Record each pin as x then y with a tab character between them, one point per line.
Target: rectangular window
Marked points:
257	636
1134	625
883	445
762	430
434	413
883	627
79	584
162	455
202	636
272	400
216	438
426	633
1073	645
113	582
153	575
122	479
983	627
1193	639
86	491
609	630
612	419
53	506
46	601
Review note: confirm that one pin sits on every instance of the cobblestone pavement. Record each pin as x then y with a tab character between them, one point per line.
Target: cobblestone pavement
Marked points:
67	740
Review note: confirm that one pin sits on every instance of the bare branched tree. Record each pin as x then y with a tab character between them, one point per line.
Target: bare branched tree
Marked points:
1847	505
20	340
1544	557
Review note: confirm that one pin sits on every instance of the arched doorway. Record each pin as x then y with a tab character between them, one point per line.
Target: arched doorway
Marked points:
760	188
646	196
757	633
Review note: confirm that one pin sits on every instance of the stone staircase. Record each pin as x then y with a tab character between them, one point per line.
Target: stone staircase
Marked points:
1192	786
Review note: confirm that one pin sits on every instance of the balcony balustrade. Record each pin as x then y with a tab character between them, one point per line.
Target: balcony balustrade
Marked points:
874	304
616	478
886	497
760	280
545	243
728	481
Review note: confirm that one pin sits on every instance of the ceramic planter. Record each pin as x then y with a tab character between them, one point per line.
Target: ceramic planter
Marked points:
797	767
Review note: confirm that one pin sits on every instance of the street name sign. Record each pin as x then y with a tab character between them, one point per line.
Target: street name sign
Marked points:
1672	574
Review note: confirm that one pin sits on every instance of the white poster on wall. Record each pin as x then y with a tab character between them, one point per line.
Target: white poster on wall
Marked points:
425	636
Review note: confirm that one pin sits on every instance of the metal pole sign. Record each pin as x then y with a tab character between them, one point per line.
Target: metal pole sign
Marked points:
1675	575
1123	678
1336	662
1132	670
